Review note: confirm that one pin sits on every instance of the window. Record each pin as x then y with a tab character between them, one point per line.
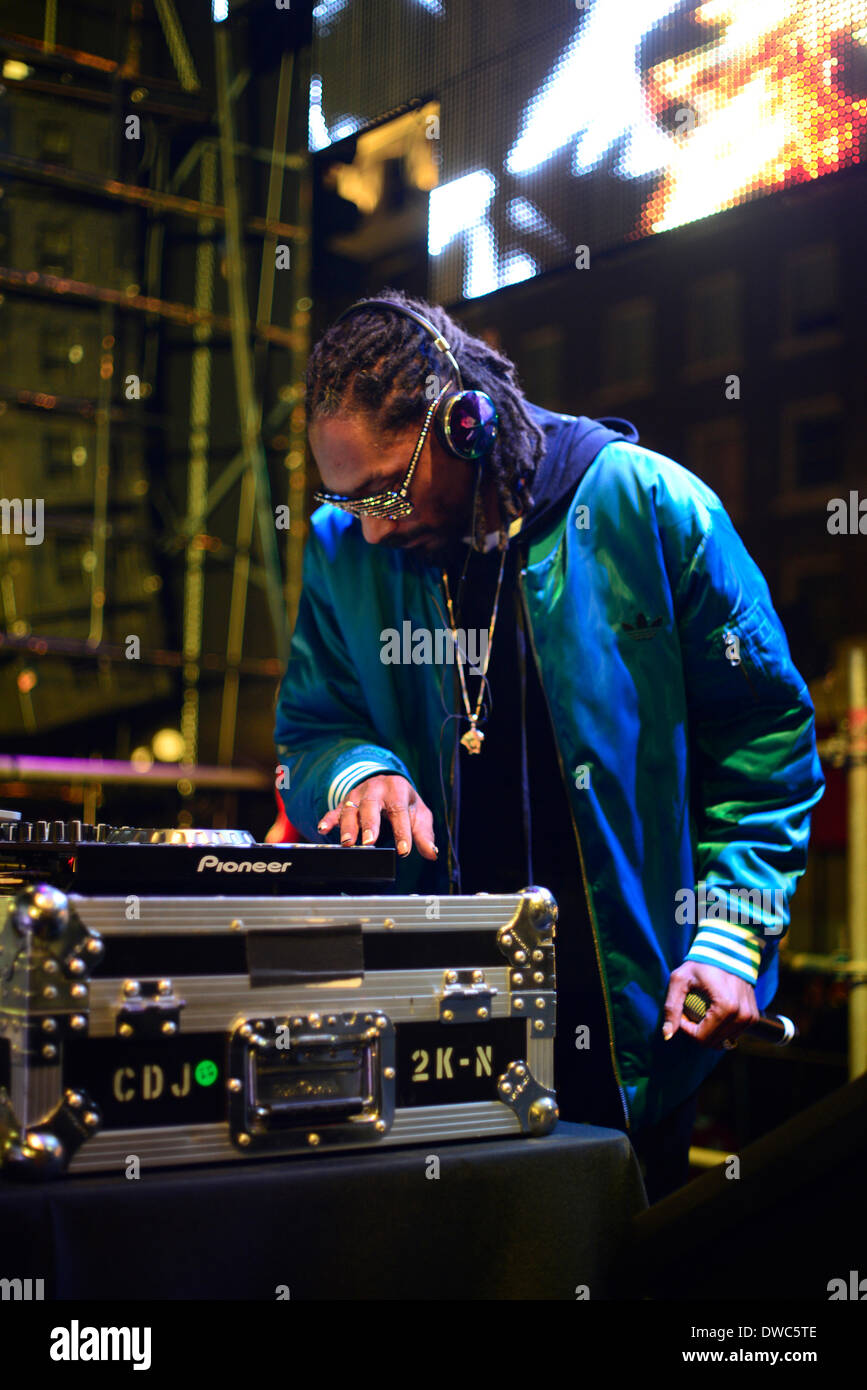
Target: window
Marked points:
67	552
53	348
810	291
817	447
713	330
716	454
54	142
539	365
812	448
57	449
628	347
54	248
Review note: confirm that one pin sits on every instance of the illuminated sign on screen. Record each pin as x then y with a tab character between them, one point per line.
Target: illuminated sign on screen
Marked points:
619	119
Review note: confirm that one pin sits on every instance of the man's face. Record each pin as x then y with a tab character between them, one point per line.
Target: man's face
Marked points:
356	461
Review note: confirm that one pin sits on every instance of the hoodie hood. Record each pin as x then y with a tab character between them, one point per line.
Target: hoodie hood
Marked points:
571	444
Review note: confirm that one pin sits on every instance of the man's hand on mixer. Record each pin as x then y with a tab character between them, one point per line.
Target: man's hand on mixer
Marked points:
362	809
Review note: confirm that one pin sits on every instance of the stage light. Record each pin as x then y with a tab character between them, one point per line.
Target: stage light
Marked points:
524	215
481	275
456	206
219	10
317	131
168	745
518	266
346	126
319	137
327	10
595	95
14	71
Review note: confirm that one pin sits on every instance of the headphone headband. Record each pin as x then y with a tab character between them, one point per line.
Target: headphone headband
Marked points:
465	421
438	339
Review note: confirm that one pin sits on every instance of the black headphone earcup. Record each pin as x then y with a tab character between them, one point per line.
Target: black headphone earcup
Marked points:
466	423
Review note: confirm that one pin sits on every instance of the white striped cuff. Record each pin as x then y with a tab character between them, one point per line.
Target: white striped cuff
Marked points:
347	779
731	948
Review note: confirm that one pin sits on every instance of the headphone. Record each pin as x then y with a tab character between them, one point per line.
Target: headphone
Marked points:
465	421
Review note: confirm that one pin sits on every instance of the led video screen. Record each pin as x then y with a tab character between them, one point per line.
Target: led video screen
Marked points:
590	123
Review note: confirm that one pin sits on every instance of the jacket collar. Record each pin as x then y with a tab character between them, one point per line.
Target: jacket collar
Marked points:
571	444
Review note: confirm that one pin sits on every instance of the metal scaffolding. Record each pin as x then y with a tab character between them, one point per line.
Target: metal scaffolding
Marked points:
217	156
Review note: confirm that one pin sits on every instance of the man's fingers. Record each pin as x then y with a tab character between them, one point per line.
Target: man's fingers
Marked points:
422	829
347	819
398	814
715	1027
328	821
368	818
724	1022
732	1028
411	820
348	824
731	1008
673	1011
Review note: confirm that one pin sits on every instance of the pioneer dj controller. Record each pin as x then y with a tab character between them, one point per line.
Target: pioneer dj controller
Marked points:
95	859
190	996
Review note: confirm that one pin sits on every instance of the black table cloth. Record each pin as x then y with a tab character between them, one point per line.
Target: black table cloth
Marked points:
506	1219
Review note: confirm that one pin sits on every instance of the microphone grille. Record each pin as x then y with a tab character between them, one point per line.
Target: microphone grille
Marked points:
695	1006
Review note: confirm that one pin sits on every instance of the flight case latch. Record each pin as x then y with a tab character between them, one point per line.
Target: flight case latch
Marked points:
150	1009
466	997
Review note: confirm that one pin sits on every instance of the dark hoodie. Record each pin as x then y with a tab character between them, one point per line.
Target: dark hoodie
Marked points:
571	444
514	821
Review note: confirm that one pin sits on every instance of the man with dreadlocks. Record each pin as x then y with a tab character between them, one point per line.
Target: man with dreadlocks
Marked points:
635	729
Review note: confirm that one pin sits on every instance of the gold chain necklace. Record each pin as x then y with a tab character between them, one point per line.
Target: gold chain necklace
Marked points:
473	738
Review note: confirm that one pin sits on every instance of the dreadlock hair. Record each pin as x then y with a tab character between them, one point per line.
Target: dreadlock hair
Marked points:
381	365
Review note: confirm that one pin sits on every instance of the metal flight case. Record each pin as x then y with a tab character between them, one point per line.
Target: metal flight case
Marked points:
181	1028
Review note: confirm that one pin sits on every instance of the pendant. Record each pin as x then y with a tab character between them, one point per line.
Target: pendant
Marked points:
472	740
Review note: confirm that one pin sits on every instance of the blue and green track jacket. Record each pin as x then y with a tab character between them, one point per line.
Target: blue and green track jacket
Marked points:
670	684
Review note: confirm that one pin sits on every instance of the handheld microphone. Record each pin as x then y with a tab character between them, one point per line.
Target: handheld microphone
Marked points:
773	1028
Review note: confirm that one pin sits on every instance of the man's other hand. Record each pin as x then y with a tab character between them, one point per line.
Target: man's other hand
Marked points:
732	1008
411	820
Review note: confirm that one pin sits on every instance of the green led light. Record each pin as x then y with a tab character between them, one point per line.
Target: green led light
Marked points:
206	1073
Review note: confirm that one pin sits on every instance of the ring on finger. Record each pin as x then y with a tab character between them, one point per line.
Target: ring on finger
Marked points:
353	804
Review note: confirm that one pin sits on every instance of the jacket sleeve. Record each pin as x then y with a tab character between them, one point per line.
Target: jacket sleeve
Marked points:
754	770
324	735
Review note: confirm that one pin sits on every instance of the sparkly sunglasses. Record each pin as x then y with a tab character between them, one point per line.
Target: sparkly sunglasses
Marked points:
389	505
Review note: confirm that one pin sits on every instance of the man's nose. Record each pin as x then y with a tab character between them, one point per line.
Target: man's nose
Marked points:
375	529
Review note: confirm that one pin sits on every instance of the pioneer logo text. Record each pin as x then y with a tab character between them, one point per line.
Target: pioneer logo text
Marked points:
242	866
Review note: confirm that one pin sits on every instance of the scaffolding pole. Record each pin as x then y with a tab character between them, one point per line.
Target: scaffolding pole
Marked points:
255	486
197	477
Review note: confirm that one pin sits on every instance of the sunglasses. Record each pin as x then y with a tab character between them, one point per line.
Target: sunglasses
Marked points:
389	505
